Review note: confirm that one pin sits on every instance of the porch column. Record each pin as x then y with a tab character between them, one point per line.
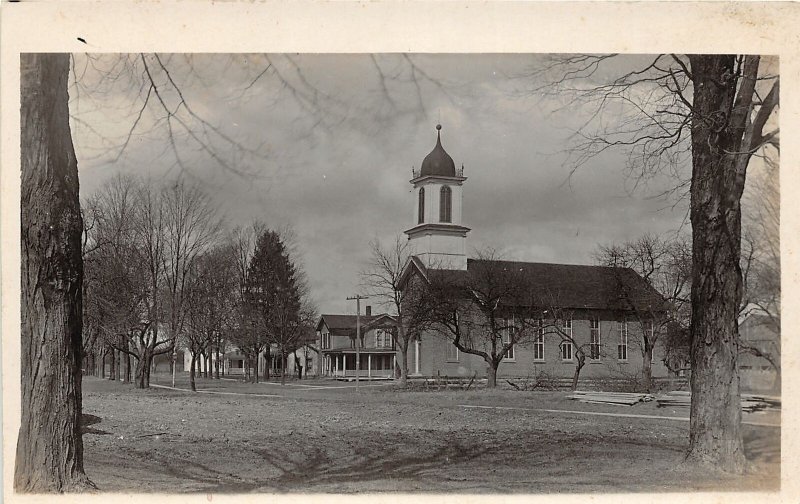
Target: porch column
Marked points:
369	365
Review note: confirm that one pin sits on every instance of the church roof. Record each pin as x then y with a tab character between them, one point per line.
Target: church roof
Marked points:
438	162
569	286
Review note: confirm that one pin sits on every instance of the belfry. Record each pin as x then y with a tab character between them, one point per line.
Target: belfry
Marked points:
438	238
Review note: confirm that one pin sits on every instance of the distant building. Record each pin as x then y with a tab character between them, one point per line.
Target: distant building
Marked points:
233	361
336	336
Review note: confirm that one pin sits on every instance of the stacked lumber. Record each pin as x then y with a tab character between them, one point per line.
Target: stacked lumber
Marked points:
619	398
675	399
750	402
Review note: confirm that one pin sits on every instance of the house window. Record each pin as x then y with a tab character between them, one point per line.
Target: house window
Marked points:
594	338
452	353
508	335
383	338
421	206
445	204
622	346
538	343
326	340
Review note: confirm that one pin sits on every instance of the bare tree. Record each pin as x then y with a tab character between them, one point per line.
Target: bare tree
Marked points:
210	287
714	112
384	280
245	331
482	310
665	264
147	238
761	261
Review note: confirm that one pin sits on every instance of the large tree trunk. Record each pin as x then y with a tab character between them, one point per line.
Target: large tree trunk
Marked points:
103	364
49	446
715	436
217	364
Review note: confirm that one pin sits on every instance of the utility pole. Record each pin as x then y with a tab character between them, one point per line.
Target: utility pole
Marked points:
358	298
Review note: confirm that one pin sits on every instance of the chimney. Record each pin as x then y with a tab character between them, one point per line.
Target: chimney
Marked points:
369	311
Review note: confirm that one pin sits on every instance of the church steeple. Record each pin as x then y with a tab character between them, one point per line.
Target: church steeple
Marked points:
438	237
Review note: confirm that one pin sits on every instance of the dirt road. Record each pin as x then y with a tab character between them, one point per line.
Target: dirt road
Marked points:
316	438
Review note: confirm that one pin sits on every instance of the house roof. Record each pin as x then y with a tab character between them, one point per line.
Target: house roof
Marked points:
566	285
344	325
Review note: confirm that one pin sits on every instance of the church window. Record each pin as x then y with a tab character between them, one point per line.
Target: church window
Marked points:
594	338
452	353
445	204
622	346
421	210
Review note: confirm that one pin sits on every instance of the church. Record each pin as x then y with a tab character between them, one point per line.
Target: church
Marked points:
605	315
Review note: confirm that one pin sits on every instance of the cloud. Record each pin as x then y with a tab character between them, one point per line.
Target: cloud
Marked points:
336	165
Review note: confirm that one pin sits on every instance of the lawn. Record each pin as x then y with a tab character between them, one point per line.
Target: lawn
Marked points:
328	437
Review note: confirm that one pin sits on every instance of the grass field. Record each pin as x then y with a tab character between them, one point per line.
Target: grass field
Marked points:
326	436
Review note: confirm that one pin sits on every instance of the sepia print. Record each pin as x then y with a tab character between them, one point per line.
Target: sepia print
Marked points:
405	272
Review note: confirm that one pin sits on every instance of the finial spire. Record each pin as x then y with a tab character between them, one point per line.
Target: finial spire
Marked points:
439	134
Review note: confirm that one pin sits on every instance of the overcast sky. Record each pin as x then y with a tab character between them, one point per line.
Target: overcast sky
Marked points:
334	139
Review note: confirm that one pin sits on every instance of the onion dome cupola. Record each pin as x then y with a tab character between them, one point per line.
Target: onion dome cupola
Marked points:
438	162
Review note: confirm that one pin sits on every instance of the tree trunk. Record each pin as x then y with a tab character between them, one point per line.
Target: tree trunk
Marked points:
103	364
216	367
283	367
255	368
112	368
268	361
118	365
49	446
715	437
404	363
491	375
581	360
142	370
191	373
647	367
128	374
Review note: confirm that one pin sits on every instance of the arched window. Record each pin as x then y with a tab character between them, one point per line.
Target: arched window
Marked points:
421	210
445	204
